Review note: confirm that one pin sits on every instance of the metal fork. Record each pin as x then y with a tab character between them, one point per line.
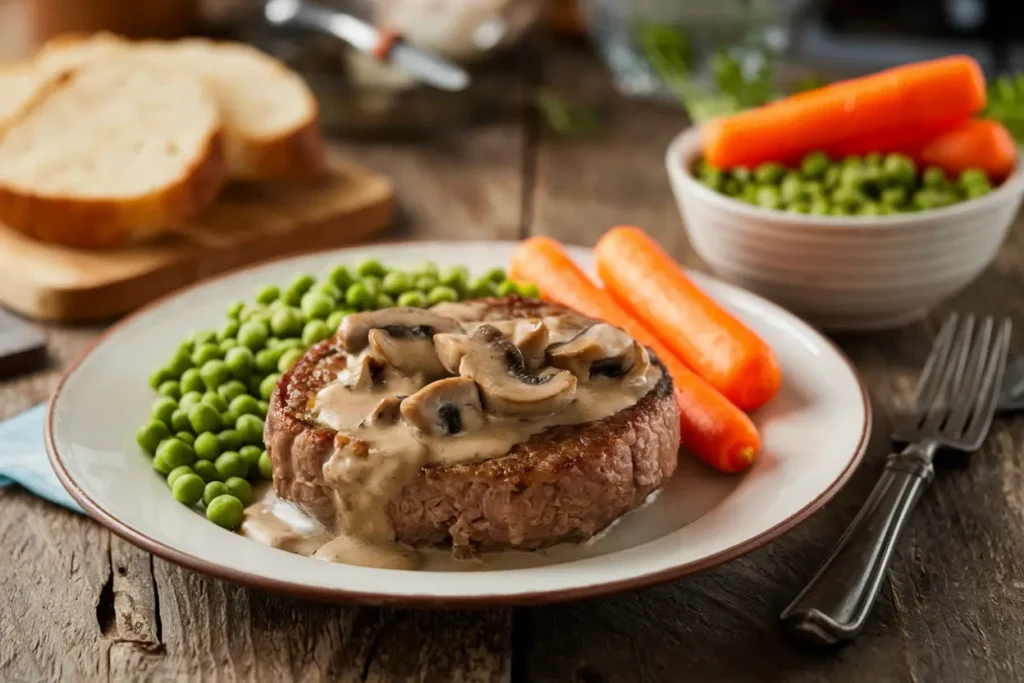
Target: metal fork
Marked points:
956	399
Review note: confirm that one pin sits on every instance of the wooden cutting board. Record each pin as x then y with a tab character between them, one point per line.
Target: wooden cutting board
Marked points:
249	223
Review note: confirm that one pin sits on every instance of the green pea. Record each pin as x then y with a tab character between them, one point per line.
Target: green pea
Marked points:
383	301
371	267
190	399
316	305
926	199
188	488
264	407
180	421
426	268
250	428
769	173
847	197
267	294
214	489
496	275
225	511
206	352
334	319
267	385
713	178
290	344
178	472
340	277
206	470
179	363
159	377
253	335
768	197
425	283
869	208
819	207
229	330
215	401
254	383
529	290
852	161
482	288
899	168
172	453
327	288
151	434
214	373
230	464
288	358
799	206
230	440
228	343
234	309
266	360
839	210
749	194
191	381
830	180
204	418
415	298
934	178
286	322
731	187
359	297
251	456
975	191
240	489
266	466
171	389
187	437
742	174
791	188
442	293
893	196
815	164
852	177
207	446
314	331
302	282
812	189
974	176
162	409
260	317
456	277
244	405
873	159
186	348
396	282
229	390
240	361
203	336
505	288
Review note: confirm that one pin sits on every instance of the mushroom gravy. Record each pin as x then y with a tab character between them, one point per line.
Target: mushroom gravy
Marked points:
419	388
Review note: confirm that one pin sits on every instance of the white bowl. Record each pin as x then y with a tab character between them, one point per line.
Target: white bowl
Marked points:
842	273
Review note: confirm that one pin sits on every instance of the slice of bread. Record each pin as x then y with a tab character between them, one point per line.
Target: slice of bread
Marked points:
271	120
113	152
20	84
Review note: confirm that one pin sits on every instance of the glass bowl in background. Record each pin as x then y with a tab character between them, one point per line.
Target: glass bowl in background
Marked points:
713	57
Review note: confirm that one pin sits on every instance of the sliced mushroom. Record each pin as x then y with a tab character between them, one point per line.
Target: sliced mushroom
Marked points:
405	351
359	373
529	334
354	330
562	328
496	364
385	412
601	349
446	407
641	364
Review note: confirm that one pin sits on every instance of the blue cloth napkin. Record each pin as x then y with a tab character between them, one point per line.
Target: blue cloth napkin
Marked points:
23	458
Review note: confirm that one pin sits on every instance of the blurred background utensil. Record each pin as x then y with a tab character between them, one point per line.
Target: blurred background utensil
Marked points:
425	66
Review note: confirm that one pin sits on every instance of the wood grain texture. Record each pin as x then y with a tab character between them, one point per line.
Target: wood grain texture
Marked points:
247	224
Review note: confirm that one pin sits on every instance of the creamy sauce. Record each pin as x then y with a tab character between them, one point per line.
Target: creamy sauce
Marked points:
392	420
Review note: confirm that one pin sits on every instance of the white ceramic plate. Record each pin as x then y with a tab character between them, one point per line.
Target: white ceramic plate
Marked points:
814	434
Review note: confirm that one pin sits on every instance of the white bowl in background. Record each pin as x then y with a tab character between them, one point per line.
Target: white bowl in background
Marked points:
838	272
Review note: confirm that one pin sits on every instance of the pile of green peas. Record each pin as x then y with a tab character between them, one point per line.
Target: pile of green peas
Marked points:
205	432
872	185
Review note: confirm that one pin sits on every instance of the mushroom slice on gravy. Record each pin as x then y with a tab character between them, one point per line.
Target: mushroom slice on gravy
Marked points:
445	407
562	328
354	330
385	412
359	373
530	335
601	349
496	365
406	351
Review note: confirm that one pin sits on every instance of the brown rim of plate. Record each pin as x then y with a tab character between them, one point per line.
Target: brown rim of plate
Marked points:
307	592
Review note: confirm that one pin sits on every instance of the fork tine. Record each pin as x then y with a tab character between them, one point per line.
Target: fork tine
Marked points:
928	385
966	396
985	405
950	378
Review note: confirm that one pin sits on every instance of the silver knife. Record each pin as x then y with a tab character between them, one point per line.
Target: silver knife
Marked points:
425	66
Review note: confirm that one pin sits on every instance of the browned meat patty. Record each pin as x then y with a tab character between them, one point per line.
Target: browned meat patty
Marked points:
565	483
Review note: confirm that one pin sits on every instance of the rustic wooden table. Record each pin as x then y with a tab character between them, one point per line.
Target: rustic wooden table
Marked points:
80	604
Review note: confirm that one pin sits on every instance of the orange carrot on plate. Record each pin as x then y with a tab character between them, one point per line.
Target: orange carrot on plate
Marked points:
919	95
713	428
976	143
641	277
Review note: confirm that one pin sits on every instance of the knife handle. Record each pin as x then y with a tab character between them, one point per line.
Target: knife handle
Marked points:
835	604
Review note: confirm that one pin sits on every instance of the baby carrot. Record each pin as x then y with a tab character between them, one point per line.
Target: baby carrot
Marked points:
718	347
710	426
976	143
906	97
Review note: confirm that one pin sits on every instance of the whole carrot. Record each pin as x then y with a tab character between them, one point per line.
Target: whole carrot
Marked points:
918	95
710	426
976	143
640	276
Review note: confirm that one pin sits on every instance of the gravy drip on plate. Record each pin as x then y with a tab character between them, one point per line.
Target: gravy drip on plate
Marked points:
419	388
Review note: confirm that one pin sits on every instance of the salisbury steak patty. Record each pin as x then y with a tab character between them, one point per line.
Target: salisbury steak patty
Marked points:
565	483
